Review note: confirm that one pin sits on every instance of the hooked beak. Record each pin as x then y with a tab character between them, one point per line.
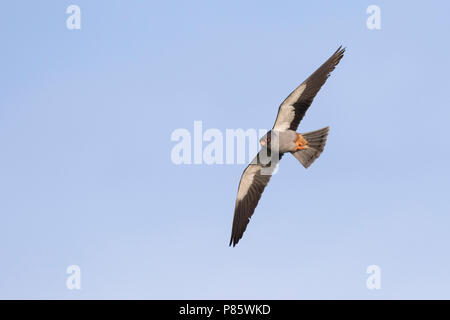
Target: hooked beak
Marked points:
263	142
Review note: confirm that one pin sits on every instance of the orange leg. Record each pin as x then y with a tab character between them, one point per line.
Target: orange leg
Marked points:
300	143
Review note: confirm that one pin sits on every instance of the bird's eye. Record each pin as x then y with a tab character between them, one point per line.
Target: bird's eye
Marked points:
268	139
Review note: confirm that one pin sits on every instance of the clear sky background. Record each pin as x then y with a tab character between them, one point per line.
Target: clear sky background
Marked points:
86	176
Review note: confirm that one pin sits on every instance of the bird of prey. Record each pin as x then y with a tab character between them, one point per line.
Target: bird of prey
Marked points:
283	138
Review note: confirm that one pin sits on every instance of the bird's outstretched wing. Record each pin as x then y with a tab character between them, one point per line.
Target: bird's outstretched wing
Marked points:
294	107
253	181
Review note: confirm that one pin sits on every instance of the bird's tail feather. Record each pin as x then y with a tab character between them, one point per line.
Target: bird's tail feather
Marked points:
316	140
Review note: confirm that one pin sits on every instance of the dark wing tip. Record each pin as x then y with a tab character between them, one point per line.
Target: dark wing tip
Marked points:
340	50
233	242
333	61
235	237
240	222
337	56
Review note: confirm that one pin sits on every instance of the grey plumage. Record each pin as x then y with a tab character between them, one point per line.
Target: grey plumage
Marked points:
317	140
305	147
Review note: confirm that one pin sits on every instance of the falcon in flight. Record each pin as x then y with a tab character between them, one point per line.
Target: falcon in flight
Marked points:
283	138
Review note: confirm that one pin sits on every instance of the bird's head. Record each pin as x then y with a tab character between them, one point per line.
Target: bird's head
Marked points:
267	139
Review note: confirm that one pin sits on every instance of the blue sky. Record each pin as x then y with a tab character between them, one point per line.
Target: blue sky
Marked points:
86	176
